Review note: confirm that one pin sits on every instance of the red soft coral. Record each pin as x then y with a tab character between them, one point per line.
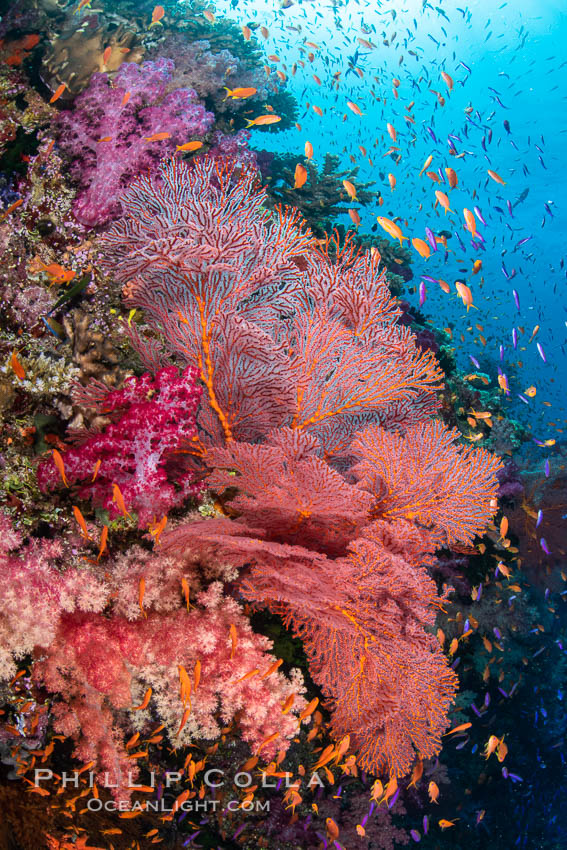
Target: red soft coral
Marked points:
153	422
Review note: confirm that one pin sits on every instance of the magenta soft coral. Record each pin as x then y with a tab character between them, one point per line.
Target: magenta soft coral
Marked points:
154	422
109	130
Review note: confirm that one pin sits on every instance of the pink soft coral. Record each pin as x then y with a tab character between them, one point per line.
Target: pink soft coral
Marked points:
109	131
154	418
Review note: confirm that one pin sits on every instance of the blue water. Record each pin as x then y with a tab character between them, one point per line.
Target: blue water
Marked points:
518	74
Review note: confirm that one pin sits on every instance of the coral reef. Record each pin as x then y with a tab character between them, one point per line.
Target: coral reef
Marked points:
305	386
84	47
323	196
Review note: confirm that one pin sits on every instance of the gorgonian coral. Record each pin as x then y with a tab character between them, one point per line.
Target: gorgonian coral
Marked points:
316	409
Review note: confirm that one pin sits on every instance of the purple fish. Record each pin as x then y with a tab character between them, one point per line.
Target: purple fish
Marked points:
431	238
501	353
489	136
523	241
516	298
415	835
425	824
497	632
474	361
503	692
394	798
483	142
441	175
515	778
523	398
432	134
428	278
546	468
475	709
466	67
539	518
505	772
541	352
460	241
422	293
505	272
514	338
487	700
509	205
462	744
478	214
543	545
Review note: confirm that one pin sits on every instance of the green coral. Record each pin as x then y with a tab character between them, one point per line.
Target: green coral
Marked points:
323	197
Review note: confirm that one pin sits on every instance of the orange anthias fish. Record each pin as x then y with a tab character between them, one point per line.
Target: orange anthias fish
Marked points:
234	639
443	200
263	120
103	541
58	92
157	15
300	176
57	274
426	164
354	217
141	594
496	177
190	146
58	460
470	220
158	137
118	498
17	367
391	228
11	209
464	293
145	702
445	824
354	108
421	247
81	521
308	150
433	791
350	189
241	93
392	132
452	177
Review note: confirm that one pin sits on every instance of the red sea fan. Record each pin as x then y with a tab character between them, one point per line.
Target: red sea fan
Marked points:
299	349
426	477
345	565
283	335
